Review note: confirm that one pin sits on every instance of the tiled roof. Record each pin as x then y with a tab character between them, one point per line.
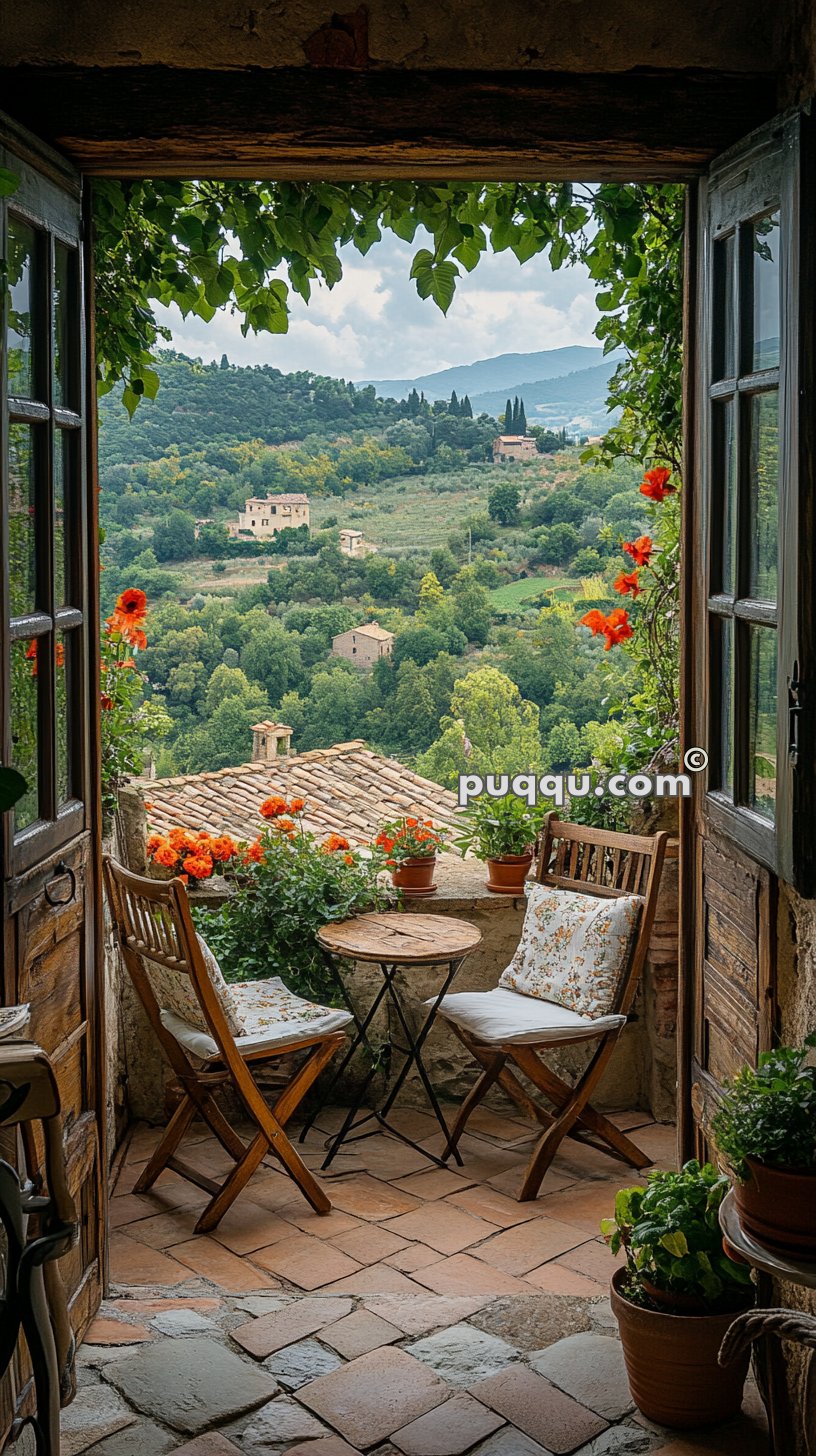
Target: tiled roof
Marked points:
347	788
372	629
295	499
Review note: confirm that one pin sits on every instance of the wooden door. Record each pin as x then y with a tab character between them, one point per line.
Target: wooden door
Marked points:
48	677
748	608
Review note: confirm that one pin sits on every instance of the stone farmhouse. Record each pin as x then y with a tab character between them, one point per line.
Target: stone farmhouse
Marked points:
513	447
363	645
264	516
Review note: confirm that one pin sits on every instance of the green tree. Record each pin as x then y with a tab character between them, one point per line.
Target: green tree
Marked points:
503	503
522	419
431	592
174	537
472	612
225	363
508	418
489	729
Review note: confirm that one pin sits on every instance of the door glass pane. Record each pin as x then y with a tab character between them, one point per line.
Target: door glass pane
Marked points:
722	652
64	647
762	721
22	556
725	496
766	292
24	724
22	244
723	334
764	495
64	272
61	466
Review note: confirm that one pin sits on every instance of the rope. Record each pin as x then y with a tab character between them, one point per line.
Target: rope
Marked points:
785	1324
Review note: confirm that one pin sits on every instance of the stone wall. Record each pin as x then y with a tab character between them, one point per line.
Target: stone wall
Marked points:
642	1073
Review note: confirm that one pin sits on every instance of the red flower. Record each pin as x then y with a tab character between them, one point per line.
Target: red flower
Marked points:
296	806
200	866
627	584
274	806
595	621
31	655
618	627
253	853
655	483
336	842
105	702
640	550
132	605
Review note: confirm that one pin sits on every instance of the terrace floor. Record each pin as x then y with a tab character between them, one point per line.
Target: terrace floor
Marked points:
428	1315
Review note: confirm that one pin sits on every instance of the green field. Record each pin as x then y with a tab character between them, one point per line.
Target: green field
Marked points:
515	593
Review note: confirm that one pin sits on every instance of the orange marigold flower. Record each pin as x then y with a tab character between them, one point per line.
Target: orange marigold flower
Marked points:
222	848
272	807
627	584
595	621
639	550
655	483
253	853
411	823
296	806
618	627
336	842
286	826
166	855
348	859
153	843
32	655
200	866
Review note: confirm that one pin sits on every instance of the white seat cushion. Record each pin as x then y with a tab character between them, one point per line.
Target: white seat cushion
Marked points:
575	949
175	993
506	1017
269	1013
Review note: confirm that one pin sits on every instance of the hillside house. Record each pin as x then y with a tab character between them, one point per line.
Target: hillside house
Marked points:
363	645
513	447
264	516
352	543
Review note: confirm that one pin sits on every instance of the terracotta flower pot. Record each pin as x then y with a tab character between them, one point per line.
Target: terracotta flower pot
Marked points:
778	1208
671	1362
415	876
506	875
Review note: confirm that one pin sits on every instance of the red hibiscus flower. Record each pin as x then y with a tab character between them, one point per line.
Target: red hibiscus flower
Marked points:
618	627
627	584
655	483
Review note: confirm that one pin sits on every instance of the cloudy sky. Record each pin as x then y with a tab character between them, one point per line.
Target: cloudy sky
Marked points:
373	325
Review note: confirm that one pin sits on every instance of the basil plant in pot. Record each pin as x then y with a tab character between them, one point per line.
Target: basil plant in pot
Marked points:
676	1295
502	832
765	1129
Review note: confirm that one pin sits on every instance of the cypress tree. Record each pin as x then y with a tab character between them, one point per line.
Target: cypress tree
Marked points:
454	403
467	408
516	415
508	418
522	421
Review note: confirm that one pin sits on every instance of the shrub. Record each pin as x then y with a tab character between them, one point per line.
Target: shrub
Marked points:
769	1113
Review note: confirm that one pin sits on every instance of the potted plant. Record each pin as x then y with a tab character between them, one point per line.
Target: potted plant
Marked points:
765	1128
502	832
410	847
676	1296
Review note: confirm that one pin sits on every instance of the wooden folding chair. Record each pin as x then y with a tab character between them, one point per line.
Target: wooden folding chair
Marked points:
153	924
595	862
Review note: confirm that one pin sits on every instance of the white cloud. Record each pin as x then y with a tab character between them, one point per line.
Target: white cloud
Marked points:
373	325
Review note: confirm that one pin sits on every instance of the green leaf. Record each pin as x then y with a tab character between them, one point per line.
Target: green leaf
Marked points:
12	786
8	182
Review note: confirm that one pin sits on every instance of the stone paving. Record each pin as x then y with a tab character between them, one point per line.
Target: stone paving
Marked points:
428	1315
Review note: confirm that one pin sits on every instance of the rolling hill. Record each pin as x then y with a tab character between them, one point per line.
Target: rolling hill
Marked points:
576	400
505	372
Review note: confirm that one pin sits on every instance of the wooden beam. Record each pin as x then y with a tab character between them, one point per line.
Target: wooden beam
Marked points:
135	121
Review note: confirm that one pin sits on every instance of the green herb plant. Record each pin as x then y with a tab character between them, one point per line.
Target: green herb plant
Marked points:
498	826
768	1113
671	1236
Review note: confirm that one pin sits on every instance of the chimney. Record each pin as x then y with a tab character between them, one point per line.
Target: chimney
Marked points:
270	741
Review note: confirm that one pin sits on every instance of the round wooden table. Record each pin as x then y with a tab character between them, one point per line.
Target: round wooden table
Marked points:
395	941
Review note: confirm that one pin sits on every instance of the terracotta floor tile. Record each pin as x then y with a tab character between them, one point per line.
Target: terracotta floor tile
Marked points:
449	1429
135	1263
426	1312
375	1395
370	1198
483	1122
368	1245
143	1141
437	1183
160	1230
509	1181
127	1208
529	1244
390	1158
660	1141
285	1326
359	1333
319	1225
306	1261
211	1443
328	1446
106	1331
413	1256
377	1279
248	1226
462	1274
486	1202
417	1124
585	1204
545	1414
480	1159
555	1278
442	1226
160	1306
627	1121
205	1256
592	1259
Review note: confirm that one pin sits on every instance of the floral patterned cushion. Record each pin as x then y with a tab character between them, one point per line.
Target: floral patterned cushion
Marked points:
271	1014
174	992
574	948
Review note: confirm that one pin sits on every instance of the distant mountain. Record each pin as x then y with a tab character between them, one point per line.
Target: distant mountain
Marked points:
506	372
576	400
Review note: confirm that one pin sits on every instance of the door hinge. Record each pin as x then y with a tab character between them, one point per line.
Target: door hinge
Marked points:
794	710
